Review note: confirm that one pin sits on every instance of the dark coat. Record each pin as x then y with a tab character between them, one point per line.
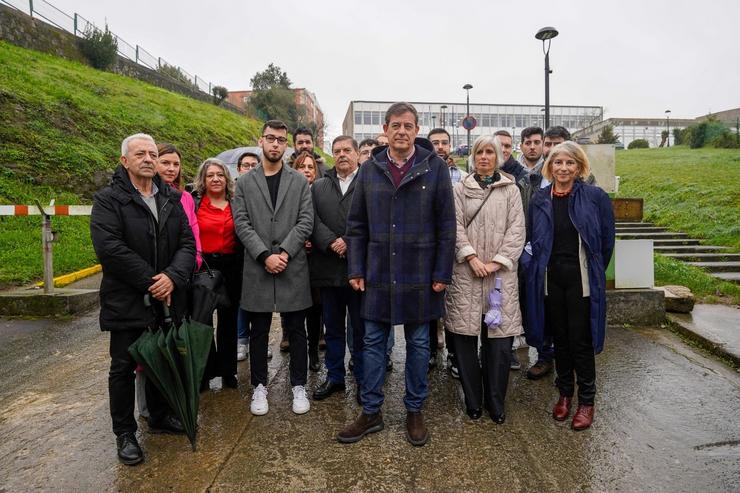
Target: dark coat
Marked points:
516	170
330	222
132	247
591	212
402	240
264	229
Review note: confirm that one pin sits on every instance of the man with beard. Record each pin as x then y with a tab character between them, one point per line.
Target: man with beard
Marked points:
332	196
303	141
273	217
531	147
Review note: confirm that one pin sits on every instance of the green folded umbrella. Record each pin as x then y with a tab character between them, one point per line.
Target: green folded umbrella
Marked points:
174	359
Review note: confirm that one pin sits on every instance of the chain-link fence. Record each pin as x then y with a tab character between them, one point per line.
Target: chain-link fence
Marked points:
79	26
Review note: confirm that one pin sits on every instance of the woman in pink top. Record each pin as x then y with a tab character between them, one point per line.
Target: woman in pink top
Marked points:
169	170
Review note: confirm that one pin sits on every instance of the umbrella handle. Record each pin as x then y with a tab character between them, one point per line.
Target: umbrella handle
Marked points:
165	308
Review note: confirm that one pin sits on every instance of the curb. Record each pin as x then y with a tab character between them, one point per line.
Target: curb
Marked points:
66	279
714	347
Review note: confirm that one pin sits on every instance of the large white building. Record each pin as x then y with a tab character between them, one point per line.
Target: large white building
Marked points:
629	129
364	119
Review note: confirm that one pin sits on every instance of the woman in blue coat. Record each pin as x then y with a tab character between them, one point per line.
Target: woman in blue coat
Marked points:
572	239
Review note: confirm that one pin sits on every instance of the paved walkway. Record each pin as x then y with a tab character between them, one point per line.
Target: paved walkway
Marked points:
717	326
666	421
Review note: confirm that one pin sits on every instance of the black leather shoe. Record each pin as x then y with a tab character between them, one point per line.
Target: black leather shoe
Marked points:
388	364
168	424
230	381
129	452
326	389
474	413
498	418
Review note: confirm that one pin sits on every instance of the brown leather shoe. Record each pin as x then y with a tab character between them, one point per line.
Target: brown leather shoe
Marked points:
539	370
365	424
284	346
561	409
416	430
583	418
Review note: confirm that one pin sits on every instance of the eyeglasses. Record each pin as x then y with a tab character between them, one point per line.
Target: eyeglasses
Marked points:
272	138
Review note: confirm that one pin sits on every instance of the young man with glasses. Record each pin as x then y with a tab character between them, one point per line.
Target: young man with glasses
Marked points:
273	216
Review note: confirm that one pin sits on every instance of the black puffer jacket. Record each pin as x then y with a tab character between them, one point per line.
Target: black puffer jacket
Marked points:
329	223
132	247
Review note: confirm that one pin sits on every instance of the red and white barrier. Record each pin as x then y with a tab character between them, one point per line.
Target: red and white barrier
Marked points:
52	210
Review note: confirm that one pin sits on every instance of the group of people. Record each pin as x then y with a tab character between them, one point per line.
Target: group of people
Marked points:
395	234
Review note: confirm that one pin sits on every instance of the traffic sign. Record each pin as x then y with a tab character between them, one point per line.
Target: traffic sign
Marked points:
469	123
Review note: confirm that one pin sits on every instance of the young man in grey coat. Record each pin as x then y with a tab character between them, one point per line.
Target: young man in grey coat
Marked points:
273	216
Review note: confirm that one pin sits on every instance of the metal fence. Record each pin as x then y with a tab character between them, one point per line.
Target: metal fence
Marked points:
78	25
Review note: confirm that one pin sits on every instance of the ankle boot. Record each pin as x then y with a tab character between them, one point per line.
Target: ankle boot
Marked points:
561	409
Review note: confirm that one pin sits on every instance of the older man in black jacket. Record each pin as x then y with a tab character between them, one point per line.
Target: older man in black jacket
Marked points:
143	240
332	196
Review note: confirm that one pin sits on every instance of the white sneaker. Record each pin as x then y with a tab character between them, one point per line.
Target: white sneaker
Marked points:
216	383
301	404
269	352
259	406
242	350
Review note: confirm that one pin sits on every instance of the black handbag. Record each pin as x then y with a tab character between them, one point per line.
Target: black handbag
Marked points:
206	292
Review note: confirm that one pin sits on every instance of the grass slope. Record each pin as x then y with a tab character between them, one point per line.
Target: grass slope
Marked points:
696	191
62	127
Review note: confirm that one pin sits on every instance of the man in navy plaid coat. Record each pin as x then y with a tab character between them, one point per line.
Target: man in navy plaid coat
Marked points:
401	246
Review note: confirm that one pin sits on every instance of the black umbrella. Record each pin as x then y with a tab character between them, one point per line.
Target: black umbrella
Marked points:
174	359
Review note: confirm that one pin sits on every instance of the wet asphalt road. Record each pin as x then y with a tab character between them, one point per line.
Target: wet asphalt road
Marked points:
668	419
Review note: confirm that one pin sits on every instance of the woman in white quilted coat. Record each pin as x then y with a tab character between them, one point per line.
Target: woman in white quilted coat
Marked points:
490	238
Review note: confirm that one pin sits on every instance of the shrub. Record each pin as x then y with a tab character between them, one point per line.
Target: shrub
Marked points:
725	140
638	144
607	136
176	73
99	47
219	94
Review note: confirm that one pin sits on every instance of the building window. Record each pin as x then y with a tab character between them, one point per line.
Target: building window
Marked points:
358	117
367	117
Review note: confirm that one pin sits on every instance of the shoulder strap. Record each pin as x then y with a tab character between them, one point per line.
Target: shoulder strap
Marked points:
470	221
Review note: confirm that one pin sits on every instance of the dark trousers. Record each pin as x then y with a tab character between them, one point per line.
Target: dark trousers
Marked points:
293	323
222	358
433	338
313	326
486	386
121	386
567	313
449	341
337	302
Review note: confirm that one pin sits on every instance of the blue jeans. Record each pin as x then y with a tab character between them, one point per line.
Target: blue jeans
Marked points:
337	303
547	353
417	364
242	327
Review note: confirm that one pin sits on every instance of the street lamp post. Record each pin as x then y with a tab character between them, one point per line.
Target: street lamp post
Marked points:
668	128
443	108
545	35
434	120
467	88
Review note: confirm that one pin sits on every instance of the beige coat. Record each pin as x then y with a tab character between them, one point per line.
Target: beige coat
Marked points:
496	234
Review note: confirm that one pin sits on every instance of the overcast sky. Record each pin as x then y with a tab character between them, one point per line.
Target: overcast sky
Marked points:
636	58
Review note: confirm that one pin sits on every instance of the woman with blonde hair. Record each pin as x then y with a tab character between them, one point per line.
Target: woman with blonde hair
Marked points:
490	238
572	239
222	251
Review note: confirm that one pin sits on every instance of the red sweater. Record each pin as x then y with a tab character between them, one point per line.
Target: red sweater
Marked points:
217	234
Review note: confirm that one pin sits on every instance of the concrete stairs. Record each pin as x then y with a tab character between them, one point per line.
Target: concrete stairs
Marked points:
716	260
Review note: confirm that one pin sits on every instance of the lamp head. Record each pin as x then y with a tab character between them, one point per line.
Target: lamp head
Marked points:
546	33
467	87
